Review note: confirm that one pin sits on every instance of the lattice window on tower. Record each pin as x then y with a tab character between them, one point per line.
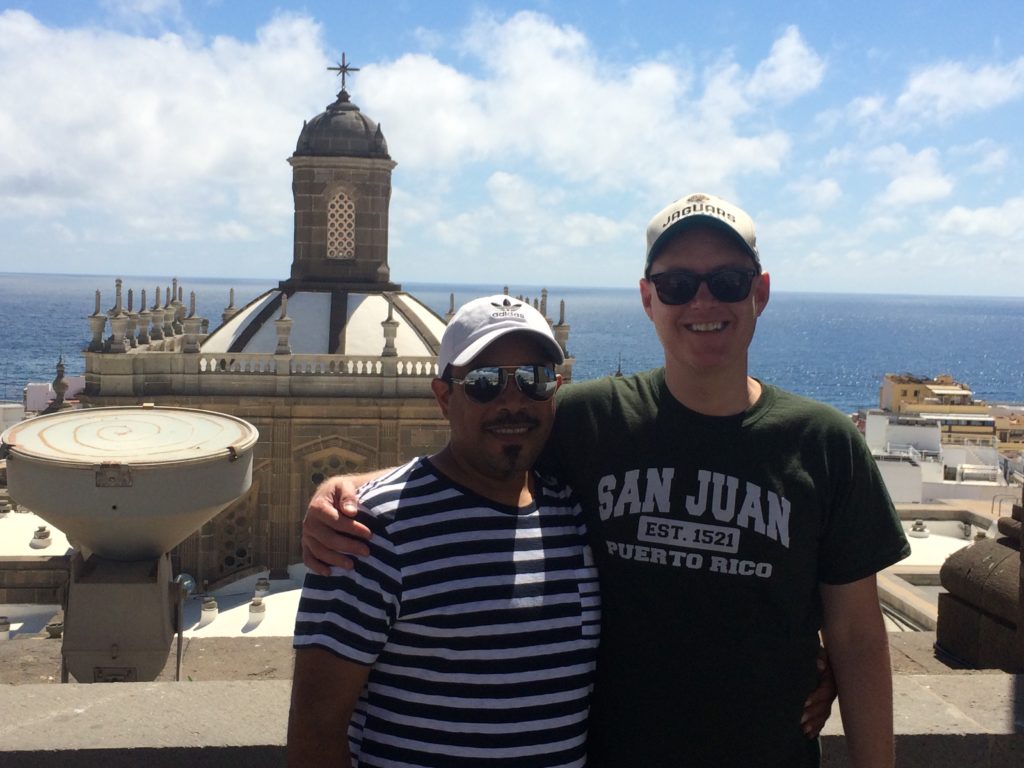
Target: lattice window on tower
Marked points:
341	227
236	536
325	465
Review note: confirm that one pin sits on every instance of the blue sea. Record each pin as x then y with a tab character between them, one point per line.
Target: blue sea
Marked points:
832	347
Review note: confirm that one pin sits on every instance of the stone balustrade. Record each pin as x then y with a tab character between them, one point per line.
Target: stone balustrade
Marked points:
207	373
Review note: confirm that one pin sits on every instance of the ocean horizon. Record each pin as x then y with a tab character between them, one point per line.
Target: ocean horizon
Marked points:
833	347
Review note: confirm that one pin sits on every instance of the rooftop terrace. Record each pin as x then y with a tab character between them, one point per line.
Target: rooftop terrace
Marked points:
231	708
232	702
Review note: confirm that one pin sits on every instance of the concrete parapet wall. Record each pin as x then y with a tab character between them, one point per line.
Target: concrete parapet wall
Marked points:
153	724
941	720
260	756
37	580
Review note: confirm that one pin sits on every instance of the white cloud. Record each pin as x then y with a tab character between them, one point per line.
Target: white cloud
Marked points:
522	148
985	268
515	196
164	136
542	98
464	231
793	228
939	93
866	108
916	178
142	14
915	188
539	216
881	223
991	161
142	7
841	156
791	70
523	227
816	194
429	39
580	230
233	230
154	137
990	157
1002	221
951	88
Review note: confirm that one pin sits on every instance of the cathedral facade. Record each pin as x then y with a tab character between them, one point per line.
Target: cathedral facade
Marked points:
333	366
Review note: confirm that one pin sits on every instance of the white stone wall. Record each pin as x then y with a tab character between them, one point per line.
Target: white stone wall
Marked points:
10	414
902	480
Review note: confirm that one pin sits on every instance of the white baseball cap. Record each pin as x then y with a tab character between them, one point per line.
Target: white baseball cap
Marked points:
480	322
700	209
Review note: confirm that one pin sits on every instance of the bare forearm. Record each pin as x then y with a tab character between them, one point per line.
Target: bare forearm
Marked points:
858	648
314	742
325	689
864	679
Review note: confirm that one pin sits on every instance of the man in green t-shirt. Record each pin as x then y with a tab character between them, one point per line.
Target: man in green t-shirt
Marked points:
730	522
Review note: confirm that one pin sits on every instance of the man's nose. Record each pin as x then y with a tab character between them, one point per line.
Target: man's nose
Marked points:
510	389
703	295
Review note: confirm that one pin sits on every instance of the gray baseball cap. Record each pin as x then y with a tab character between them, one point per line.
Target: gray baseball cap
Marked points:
479	323
700	208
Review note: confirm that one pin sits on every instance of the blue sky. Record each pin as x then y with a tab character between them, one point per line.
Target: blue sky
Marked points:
878	146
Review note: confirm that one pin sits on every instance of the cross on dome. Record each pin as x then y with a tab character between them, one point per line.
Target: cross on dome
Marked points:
343	69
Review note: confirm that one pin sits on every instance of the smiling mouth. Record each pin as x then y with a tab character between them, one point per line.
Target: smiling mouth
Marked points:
705	327
520	429
517	426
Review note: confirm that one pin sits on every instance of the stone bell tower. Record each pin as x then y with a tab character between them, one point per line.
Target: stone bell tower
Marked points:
341	182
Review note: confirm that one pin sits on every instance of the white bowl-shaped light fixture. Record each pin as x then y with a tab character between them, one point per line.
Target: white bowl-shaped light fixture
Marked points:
129	483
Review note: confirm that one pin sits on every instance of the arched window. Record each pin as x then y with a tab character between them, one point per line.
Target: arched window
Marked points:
341	227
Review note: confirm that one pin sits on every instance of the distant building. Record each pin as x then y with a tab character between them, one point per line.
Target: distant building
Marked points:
904	391
36	396
932	440
1009	427
11	414
333	366
947	403
918	466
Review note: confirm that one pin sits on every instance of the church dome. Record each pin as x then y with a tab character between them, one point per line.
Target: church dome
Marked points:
332	323
342	131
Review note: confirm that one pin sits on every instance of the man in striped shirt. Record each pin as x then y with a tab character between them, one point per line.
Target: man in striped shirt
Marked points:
468	635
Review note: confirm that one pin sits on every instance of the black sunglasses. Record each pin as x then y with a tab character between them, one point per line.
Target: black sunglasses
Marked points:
537	382
730	284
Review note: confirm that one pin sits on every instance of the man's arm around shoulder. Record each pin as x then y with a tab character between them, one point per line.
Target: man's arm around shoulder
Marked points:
330	534
858	649
325	690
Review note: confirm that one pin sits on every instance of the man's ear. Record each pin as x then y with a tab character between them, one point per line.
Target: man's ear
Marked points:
645	296
762	291
442	392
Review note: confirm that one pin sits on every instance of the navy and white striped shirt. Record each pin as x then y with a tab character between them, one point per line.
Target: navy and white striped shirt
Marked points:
480	623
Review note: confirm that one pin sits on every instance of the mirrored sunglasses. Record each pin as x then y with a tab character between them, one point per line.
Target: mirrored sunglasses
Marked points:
537	382
730	285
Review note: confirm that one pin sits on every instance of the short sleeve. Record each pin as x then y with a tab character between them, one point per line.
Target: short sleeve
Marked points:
351	612
862	534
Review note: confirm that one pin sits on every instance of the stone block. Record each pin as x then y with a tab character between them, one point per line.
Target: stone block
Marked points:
1009	753
950	751
958	629
366	221
986	574
999	644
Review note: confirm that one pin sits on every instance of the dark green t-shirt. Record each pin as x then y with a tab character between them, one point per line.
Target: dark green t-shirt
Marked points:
711	536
